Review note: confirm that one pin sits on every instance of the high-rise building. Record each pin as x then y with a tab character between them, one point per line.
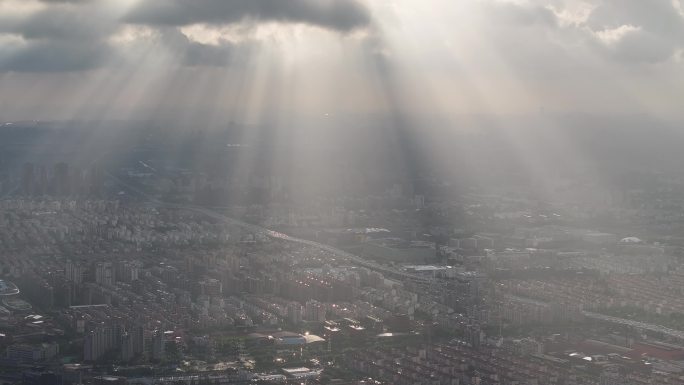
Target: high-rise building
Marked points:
61	179
42	182
76	181
294	313
158	346
474	336
104	273
32	353
74	271
113	334
419	201
95	181
128	271
63	292
28	179
101	340
138	336
210	286
94	345
314	311
127	348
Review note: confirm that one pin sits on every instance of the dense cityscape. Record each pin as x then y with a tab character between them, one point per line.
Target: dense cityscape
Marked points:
127	276
341	192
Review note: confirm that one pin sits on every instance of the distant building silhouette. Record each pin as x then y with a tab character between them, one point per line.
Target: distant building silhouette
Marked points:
61	179
42	182
28	179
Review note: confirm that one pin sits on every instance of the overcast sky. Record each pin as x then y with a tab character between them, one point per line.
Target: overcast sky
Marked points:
256	60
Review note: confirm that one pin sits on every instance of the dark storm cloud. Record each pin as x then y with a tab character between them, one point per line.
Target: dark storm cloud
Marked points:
53	56
63	24
340	15
195	54
57	39
73	35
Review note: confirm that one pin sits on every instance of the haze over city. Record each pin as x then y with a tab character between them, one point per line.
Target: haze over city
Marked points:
351	192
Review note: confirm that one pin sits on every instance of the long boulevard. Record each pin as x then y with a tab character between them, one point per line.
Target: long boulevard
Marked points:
636	324
389	271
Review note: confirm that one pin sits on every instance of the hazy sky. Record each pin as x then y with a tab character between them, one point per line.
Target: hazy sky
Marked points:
256	60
